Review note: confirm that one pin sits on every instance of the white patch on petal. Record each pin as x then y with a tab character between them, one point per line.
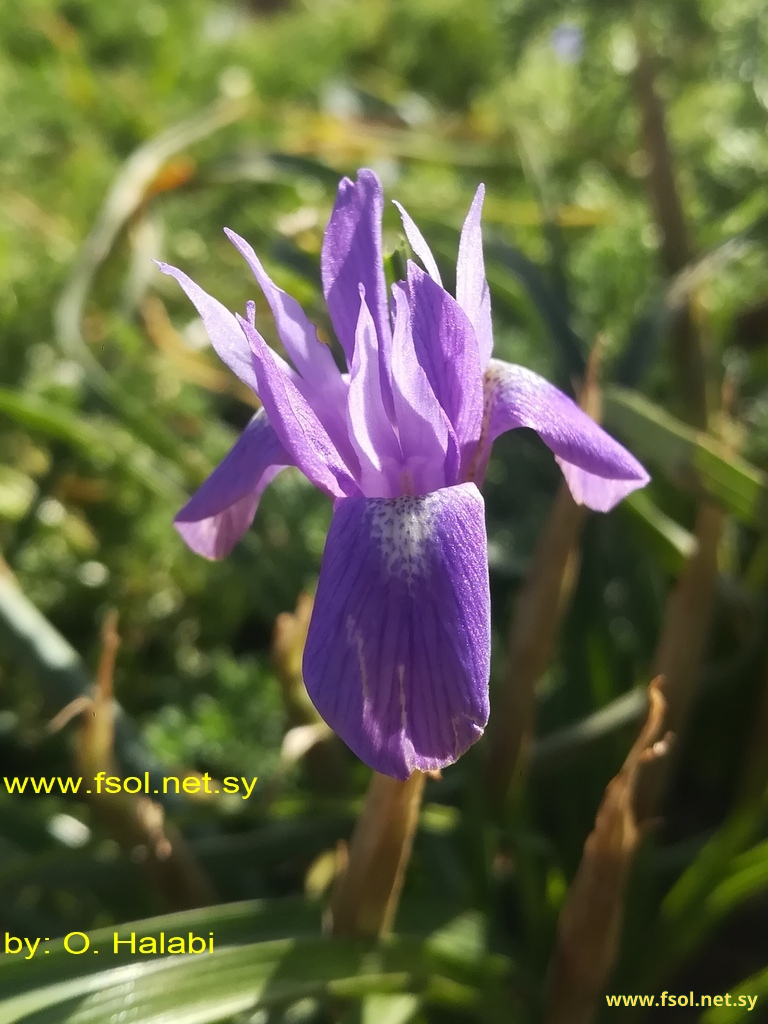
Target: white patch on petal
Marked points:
401	690
403	529
355	639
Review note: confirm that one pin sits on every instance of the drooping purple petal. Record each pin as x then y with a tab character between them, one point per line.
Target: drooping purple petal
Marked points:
228	341
447	350
296	424
419	245
427	439
221	510
352	256
398	651
599	471
369	426
472	292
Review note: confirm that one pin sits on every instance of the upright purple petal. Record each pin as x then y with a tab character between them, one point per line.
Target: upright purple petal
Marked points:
427	439
472	292
309	355
229	342
419	245
320	381
447	350
296	424
221	510
599	471
352	256
398	651
369	426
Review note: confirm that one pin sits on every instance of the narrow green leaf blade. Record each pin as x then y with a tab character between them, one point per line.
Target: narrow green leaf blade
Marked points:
692	459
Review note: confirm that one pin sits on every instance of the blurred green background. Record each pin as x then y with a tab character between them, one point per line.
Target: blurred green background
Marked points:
625	156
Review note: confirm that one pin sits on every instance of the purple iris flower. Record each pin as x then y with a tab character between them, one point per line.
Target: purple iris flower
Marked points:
398	652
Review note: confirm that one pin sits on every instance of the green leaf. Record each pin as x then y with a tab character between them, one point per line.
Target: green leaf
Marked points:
743	999
553	310
248	968
99	439
701	896
692	459
673	544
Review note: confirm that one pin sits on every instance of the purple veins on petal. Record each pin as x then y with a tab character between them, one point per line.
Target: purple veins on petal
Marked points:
221	510
398	651
599	471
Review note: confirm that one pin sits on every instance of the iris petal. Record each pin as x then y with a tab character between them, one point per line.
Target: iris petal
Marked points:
446	347
599	471
369	426
229	342
310	356
221	510
319	380
352	256
295	422
398	651
419	245
472	292
427	439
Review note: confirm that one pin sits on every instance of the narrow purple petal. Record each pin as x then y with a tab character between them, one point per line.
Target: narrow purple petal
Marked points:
369	426
428	442
419	245
447	349
318	379
398	651
599	471
295	422
309	355
221	510
471	286
228	340
352	256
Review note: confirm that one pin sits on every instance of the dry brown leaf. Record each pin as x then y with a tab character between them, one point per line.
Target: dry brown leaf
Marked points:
590	921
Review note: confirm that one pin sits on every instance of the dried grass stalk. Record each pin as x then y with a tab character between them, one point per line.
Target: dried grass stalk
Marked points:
135	821
368	891
590	922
